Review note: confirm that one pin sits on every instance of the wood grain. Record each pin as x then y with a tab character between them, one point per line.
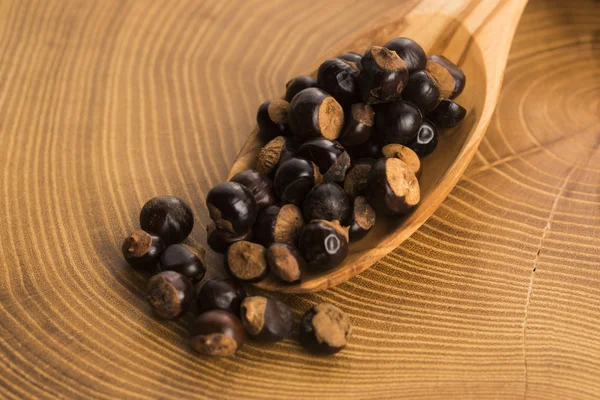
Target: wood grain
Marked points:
105	104
462	32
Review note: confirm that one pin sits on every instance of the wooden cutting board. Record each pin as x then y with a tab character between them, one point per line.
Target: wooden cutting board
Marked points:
104	104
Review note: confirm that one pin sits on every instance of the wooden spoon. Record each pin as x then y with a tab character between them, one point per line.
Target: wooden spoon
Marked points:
476	35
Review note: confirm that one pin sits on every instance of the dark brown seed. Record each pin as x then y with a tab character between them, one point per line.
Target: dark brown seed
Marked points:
327	201
363	219
298	84
266	319
405	154
285	262
142	250
186	260
358	126
169	217
217	333
398	122
260	185
294	179
383	76
426	140
356	179
278	224
232	207
338	78
410	52
423	90
392	187
330	156
452	79
170	294
221	294
272	120
323	244
325	329
447	114
314	113
246	261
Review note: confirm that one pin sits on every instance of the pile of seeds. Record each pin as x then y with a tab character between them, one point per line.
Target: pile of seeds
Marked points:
340	150
226	315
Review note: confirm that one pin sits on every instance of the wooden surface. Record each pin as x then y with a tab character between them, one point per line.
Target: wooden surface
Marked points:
104	104
462	31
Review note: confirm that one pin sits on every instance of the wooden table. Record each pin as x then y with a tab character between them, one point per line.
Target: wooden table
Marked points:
104	104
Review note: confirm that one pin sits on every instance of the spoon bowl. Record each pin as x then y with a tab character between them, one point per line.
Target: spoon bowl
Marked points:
476	35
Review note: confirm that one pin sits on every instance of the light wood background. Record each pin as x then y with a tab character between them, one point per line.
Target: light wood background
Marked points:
104	104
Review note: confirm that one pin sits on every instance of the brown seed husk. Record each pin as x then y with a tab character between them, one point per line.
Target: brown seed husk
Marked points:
216	344
363	113
405	154
331	118
331	325
138	243
278	111
443	76
163	297
246	260
387	59
288	224
269	155
402	181
253	314
337	227
436	82
337	172
352	64
215	215
356	180
364	214
283	263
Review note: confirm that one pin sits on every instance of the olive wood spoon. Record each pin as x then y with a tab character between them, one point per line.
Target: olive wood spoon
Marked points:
474	34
